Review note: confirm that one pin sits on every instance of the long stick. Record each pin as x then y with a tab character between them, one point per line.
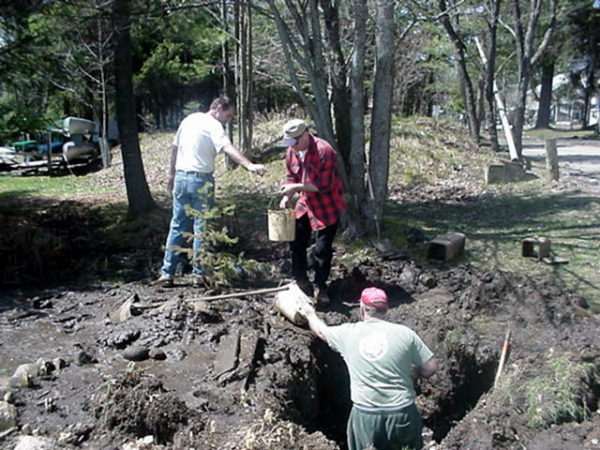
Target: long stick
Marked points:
505	349
244	293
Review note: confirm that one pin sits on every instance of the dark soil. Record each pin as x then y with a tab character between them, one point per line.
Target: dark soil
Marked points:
238	375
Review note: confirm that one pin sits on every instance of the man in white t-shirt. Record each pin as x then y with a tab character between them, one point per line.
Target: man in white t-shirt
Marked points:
199	139
382	359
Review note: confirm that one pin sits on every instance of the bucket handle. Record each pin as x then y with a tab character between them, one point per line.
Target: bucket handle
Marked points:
271	201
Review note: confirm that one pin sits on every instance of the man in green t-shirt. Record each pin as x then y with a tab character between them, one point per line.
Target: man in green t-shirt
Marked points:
382	359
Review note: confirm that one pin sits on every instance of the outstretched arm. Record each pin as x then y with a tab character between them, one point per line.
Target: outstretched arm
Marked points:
316	325
239	158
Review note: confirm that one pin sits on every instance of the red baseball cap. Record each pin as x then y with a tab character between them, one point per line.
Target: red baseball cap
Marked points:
374	297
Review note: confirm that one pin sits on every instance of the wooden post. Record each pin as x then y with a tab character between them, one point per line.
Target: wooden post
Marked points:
551	159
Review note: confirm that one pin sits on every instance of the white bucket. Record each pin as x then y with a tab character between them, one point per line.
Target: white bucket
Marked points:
288	302
282	224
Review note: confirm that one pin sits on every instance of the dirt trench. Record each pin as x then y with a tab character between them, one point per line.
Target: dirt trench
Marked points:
234	374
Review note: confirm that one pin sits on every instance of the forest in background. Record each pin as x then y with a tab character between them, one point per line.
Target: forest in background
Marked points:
349	66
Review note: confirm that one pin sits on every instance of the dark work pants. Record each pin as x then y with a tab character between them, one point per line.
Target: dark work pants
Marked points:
323	250
396	429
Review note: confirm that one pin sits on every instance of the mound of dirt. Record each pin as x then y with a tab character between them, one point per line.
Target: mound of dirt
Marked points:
235	374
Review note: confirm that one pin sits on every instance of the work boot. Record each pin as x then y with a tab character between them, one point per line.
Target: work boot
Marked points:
163	281
321	295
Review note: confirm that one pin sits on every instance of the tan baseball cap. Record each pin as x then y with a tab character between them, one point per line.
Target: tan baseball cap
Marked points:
292	130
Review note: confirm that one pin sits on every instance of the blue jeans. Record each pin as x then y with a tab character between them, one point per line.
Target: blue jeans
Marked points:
192	190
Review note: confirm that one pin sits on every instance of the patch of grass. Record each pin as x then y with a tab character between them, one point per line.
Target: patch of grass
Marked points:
557	396
15	186
495	225
425	150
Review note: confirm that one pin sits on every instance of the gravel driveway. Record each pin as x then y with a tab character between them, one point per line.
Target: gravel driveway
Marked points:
578	160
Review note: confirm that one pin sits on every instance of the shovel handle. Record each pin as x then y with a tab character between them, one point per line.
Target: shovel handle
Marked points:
243	293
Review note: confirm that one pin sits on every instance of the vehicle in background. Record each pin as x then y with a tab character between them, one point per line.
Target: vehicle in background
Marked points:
74	141
83	142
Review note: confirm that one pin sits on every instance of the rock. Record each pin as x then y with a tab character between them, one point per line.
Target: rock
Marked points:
178	354
428	280
158	354
67	438
136	353
20	381
44	367
26	371
59	363
9	397
84	357
8	416
123	313
37	443
145	443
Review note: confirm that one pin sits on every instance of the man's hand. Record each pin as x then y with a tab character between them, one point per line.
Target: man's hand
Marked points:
284	202
257	168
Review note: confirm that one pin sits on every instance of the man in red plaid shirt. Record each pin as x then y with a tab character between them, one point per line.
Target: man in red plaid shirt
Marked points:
312	173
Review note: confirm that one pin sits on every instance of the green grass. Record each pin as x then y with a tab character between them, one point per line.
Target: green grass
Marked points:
495	227
43	185
556	396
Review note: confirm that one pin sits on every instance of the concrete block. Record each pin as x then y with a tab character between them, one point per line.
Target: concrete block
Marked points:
504	171
535	247
446	246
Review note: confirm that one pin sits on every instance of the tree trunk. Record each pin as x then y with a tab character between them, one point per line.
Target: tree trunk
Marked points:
104	144
465	83
244	75
138	195
490	70
588	89
543	113
379	150
340	94
526	57
356	162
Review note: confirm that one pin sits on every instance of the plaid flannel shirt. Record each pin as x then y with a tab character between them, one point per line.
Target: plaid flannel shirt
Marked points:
320	169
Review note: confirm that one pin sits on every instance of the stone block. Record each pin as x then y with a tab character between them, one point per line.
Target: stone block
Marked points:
446	246
504	171
535	247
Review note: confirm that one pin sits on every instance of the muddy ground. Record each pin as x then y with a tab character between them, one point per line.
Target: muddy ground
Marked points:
105	365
